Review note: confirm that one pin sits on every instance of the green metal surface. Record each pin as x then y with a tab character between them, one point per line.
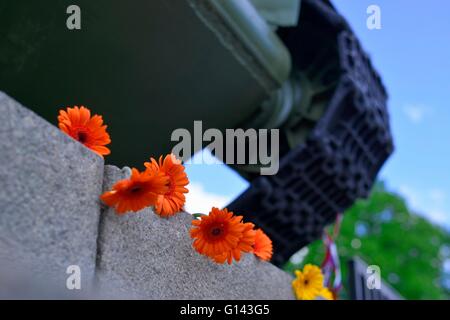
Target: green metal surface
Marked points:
148	67
252	31
279	12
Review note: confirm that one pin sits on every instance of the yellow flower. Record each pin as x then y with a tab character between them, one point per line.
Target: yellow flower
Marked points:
308	284
326	294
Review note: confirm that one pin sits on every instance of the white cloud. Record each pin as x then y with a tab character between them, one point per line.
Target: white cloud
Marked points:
412	197
437	195
431	205
415	112
438	216
199	200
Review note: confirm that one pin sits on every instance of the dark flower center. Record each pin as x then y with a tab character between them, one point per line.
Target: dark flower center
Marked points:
217	231
306	282
135	189
82	136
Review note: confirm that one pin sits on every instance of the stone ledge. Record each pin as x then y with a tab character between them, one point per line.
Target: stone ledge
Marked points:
146	256
49	207
50	218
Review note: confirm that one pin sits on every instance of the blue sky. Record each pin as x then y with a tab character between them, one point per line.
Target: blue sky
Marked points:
412	53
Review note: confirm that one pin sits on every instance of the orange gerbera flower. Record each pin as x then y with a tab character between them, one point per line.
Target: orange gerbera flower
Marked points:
245	244
90	131
263	246
218	233
139	191
173	200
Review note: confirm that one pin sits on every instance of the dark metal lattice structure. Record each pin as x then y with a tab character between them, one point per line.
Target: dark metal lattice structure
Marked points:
342	154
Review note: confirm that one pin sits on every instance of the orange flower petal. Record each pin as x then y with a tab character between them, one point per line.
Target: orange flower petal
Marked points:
139	191
173	200
262	248
222	236
90	131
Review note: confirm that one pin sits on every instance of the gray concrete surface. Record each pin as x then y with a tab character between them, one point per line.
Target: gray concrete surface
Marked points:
151	257
49	208
51	217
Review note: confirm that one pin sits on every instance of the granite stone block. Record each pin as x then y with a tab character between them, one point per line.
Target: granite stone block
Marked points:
49	207
145	256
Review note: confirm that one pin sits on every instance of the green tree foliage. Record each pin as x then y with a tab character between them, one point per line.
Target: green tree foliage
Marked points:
409	249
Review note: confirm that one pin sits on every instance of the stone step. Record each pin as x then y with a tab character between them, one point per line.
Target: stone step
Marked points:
153	258
51	218
49	207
